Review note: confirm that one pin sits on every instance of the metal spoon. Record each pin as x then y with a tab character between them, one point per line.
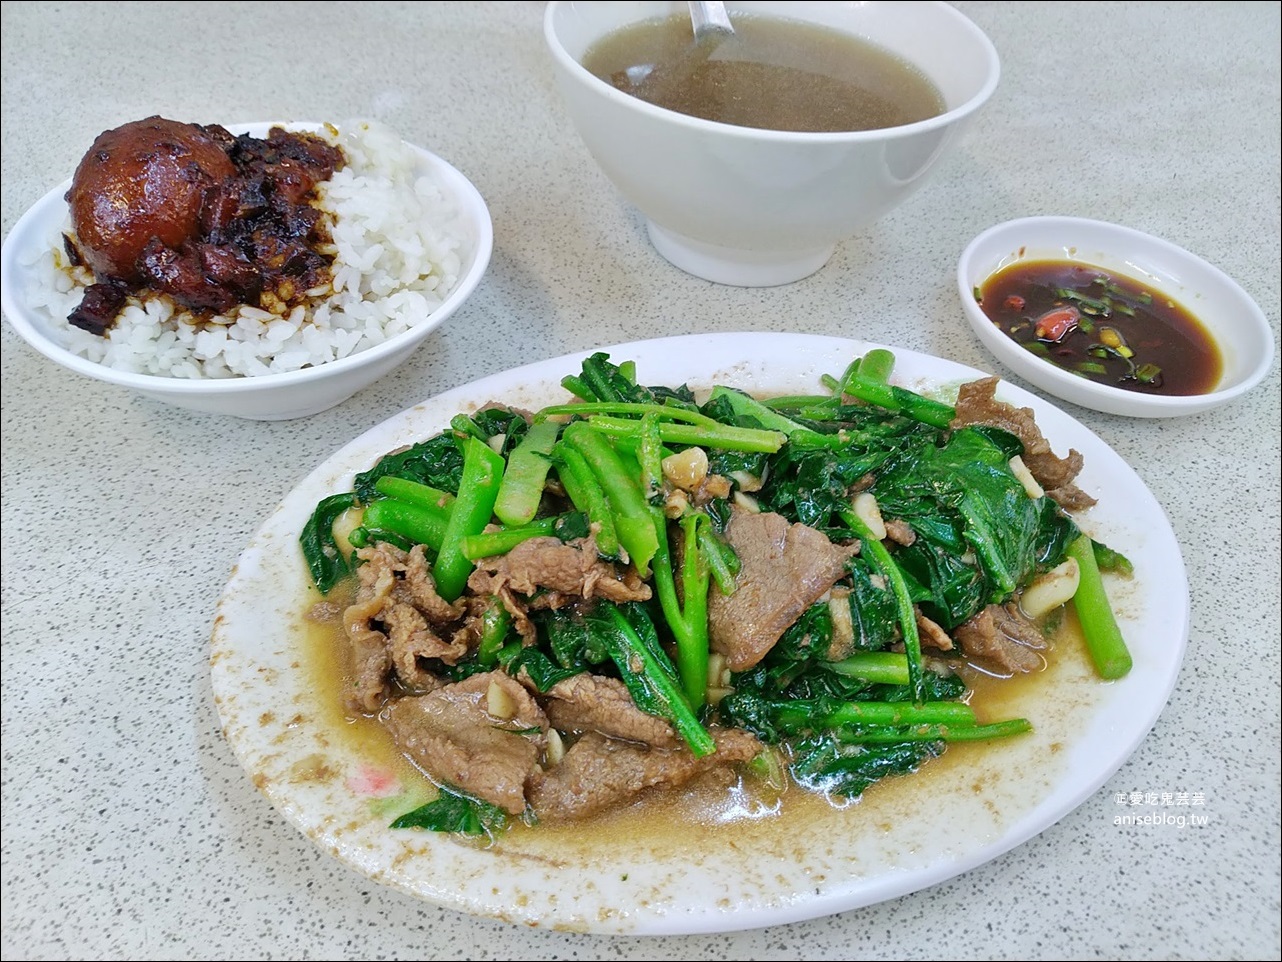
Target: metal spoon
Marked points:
712	28
710	21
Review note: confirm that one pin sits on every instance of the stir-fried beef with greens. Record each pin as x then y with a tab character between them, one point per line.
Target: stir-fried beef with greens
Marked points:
556	611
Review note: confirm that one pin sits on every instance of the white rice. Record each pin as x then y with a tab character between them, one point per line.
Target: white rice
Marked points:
398	241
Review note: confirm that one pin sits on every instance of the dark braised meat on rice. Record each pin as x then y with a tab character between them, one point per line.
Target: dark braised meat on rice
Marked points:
143	181
210	219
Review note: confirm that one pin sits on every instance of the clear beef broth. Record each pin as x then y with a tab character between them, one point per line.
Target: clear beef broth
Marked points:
775	74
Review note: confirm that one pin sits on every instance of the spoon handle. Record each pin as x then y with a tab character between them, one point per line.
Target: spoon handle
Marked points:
709	18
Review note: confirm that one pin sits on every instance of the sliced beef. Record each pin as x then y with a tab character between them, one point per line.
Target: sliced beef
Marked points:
931	635
1002	637
398	624
783	569
1070	497
598	772
412	642
549	573
370	658
417	586
549	566
900	532
976	404
594	703
451	734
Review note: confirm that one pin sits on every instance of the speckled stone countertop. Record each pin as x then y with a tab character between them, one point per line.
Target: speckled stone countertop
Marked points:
130	830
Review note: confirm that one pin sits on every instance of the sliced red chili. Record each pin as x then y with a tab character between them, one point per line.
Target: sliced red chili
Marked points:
1054	324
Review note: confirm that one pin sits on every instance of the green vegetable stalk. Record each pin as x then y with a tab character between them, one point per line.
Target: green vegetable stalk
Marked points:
725	436
869	384
414	522
478	490
630	510
587	495
650	453
490	543
882	560
876	667
1104	639
526	472
800	715
749	408
415	492
689	626
893	735
495	623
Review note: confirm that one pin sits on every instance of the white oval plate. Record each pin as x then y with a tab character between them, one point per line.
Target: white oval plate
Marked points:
714	877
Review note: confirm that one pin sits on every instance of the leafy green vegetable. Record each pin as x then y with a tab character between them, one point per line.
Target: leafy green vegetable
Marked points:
571	643
325	561
605	381
979	535
454	812
846	692
542	671
437	462
872	609
846	770
627	633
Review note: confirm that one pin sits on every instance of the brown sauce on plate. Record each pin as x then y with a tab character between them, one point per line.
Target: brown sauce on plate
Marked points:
774	74
1102	326
996	779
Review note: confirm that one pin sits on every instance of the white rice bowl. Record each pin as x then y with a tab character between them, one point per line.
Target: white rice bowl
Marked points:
399	242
